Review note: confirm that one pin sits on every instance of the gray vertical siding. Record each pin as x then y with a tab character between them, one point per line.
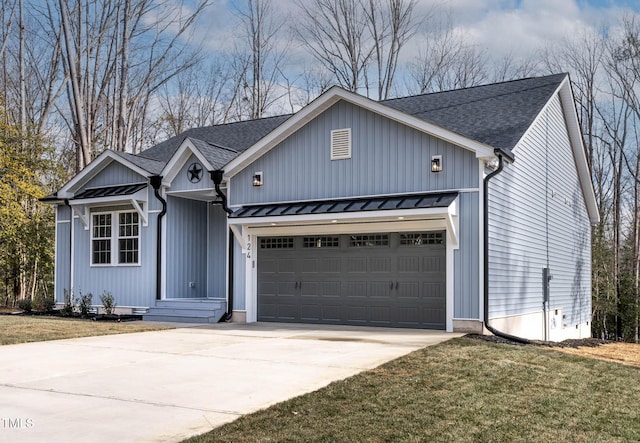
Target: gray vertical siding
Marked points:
387	158
466	259
63	252
217	252
522	205
239	270
186	248
115	174
130	285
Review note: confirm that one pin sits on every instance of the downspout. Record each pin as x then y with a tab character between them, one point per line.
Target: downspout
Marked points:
216	177
486	254
156	182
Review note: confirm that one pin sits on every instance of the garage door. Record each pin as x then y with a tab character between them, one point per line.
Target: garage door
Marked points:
385	279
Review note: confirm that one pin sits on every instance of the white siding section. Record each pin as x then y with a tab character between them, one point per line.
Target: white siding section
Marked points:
538	218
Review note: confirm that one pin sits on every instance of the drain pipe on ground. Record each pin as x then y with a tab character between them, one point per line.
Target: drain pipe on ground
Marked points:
486	254
216	177
156	182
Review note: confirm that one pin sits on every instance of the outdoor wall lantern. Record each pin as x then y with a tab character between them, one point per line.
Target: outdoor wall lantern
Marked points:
257	179
436	163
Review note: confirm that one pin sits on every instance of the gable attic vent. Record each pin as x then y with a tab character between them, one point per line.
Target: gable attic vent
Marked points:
341	144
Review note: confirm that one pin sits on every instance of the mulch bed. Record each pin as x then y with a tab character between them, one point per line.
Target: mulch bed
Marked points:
570	343
4	310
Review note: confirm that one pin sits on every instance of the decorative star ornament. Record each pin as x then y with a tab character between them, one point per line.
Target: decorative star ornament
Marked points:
194	172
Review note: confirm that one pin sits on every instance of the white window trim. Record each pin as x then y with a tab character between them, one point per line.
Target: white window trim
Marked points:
115	229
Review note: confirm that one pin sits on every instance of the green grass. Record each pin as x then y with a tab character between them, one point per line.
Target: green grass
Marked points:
18	329
463	390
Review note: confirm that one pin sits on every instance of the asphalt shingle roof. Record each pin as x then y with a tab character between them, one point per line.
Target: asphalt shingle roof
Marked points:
235	136
149	165
497	114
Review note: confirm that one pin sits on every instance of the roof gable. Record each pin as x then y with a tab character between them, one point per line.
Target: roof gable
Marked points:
99	164
328	99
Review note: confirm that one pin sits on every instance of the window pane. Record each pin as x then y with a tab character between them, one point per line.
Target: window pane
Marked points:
128	248
101	252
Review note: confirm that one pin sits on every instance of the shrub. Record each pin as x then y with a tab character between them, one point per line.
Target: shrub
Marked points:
69	308
25	305
108	302
44	303
84	303
48	304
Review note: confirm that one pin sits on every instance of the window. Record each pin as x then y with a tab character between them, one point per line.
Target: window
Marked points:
321	242
369	240
276	243
115	238
422	238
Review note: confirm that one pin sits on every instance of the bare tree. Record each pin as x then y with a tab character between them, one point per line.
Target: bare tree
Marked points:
116	55
264	57
391	24
446	61
336	34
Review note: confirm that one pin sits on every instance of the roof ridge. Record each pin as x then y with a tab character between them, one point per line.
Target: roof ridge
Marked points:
533	88
473	87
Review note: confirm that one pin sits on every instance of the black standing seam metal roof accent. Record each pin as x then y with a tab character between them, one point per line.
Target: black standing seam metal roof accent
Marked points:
110	191
411	201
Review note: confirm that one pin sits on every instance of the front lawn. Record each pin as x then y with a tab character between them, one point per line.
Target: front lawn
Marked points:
464	390
22	329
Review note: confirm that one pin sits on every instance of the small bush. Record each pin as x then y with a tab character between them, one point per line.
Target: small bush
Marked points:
44	303
108	302
25	305
69	308
84	303
48	303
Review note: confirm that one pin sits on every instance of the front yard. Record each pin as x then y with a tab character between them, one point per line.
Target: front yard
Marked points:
465	390
23	329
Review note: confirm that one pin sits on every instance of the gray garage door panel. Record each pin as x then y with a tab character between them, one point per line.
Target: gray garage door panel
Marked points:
395	280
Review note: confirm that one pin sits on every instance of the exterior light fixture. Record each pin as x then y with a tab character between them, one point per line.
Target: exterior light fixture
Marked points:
257	179
436	163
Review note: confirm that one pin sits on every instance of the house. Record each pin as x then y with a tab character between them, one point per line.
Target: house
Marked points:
442	211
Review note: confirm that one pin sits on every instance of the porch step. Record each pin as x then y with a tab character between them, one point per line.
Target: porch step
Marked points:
187	310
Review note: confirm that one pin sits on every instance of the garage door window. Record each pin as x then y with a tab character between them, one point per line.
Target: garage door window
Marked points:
421	238
276	243
369	240
321	242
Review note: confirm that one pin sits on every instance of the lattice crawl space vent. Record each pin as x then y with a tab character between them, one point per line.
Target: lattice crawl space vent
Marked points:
341	144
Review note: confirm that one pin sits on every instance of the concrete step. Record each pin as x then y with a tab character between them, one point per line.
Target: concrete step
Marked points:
205	310
192	303
181	318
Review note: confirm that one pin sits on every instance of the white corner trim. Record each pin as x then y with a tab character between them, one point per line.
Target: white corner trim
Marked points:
328	99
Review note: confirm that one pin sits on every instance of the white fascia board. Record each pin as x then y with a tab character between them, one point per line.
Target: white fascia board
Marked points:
579	153
328	99
371	221
567	102
178	160
342	216
93	168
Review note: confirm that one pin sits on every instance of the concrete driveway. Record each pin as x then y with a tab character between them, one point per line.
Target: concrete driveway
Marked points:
169	385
